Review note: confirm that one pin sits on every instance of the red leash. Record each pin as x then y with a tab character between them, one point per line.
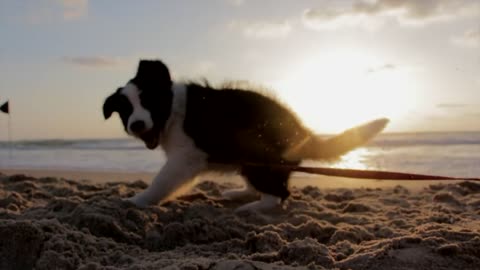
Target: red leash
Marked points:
363	174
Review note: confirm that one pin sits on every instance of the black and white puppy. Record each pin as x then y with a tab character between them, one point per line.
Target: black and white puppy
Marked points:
203	129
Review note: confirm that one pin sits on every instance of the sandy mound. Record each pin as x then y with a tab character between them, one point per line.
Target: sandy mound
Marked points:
50	223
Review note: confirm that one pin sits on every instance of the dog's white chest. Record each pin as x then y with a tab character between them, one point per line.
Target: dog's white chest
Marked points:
173	138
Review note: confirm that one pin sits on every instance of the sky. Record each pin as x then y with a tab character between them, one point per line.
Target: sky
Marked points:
335	63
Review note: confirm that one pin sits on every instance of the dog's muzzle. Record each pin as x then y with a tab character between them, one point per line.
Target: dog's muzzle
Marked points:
150	138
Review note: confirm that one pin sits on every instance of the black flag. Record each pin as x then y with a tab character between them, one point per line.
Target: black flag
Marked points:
4	108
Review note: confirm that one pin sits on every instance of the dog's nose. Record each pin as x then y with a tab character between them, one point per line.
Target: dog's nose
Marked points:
137	126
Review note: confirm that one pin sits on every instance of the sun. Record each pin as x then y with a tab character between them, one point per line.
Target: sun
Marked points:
336	90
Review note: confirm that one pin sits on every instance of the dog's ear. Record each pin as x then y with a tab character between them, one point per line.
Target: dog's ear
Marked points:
110	106
152	75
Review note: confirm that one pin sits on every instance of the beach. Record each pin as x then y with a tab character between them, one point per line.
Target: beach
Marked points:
79	220
99	98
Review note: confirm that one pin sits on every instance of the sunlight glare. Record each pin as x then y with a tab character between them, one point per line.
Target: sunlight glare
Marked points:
353	160
334	91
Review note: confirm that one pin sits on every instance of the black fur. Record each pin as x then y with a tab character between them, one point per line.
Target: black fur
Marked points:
120	104
239	126
153	78
234	125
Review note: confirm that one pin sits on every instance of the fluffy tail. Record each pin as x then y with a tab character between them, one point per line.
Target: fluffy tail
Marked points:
316	148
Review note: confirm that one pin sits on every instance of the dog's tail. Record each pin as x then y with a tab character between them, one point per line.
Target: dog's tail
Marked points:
316	148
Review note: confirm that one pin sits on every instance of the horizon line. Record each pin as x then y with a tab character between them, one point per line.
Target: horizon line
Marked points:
390	133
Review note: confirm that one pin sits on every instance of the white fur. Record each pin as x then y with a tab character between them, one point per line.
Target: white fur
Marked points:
234	194
173	139
139	113
184	160
266	202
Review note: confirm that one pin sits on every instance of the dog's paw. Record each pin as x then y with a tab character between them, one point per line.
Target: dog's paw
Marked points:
139	201
250	207
235	194
267	202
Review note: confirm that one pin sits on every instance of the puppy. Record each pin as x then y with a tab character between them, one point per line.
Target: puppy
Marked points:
203	129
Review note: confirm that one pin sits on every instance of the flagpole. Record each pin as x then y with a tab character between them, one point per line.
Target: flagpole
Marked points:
6	109
9	136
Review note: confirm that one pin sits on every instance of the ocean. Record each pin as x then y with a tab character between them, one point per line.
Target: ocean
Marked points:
449	154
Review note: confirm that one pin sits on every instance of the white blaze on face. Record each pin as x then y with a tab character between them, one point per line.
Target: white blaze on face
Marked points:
139	113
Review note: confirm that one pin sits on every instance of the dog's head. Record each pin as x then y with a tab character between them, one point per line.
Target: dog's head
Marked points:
144	103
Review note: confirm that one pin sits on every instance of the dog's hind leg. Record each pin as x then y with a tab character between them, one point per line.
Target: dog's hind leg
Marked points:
273	184
239	193
179	170
266	202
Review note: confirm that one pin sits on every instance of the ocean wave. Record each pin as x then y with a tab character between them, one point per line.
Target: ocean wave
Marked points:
426	139
384	140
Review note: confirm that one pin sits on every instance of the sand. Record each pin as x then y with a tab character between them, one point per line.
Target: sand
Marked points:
60	223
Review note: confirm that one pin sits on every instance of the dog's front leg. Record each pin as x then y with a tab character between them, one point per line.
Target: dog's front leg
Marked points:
178	171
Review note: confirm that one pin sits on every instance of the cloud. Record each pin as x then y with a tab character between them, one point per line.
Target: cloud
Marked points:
48	11
453	105
372	14
263	30
236	2
334	18
94	61
74	9
469	39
